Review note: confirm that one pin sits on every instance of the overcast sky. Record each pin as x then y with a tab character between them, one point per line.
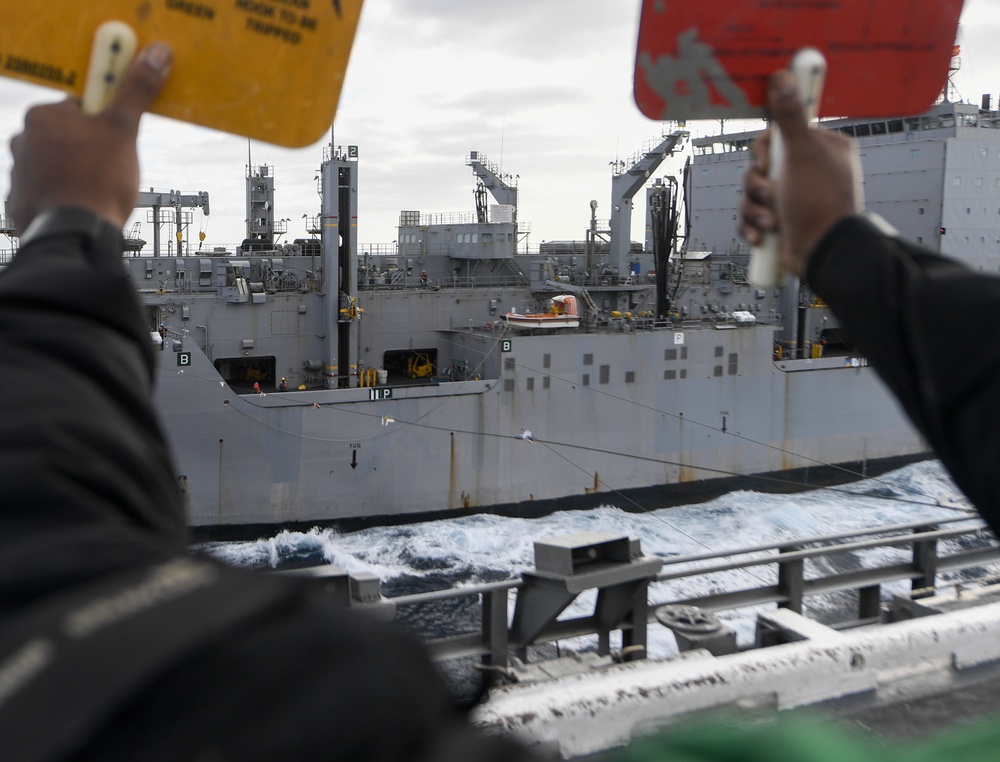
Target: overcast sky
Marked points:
543	87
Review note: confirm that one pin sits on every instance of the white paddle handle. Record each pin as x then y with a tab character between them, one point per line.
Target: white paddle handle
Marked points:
809	68
114	45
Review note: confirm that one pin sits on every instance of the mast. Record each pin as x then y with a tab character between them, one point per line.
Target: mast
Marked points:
339	189
624	186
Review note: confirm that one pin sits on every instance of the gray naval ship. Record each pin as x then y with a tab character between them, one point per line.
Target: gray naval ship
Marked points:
321	381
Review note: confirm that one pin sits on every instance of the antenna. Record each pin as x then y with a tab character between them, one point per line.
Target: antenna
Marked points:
503	127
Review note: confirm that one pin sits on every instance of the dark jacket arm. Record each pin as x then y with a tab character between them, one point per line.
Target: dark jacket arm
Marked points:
926	323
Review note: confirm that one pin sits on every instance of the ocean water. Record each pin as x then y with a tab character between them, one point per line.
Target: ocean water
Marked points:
475	549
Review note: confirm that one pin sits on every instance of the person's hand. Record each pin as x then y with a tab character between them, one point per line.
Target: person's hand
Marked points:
67	158
818	184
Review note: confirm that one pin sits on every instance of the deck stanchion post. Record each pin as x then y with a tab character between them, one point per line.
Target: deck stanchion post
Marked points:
924	563
791	583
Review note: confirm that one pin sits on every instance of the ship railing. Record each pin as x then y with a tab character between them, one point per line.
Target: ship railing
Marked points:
385	282
790	573
8	240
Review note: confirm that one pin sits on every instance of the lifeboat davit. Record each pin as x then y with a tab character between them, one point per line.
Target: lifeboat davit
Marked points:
562	313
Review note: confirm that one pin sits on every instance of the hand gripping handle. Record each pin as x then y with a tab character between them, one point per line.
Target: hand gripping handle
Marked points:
809	68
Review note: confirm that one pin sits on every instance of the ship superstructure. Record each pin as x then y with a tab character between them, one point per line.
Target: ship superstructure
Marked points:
410	392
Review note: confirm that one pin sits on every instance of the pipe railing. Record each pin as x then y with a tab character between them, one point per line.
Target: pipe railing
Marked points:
791	584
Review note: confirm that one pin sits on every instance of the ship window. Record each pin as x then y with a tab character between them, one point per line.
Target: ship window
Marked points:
983	152
546	381
546	360
914	153
588	359
684	373
531	384
670	354
605	374
586	379
717	371
718	351
669	375
864	129
878	128
508	384
509	364
979	182
968	210
475	237
630	377
920	210
920	239
896	125
487	238
956	180
734	362
684	353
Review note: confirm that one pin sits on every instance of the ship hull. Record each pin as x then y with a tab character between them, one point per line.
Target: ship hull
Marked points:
611	414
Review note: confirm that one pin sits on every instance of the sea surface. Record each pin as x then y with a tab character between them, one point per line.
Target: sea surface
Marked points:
476	549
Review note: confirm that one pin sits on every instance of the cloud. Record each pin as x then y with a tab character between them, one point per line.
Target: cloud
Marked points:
543	86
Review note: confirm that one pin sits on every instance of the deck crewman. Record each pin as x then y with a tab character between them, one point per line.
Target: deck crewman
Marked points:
117	643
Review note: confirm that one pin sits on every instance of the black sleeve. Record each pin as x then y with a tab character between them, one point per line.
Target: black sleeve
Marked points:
81	444
318	683
925	322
